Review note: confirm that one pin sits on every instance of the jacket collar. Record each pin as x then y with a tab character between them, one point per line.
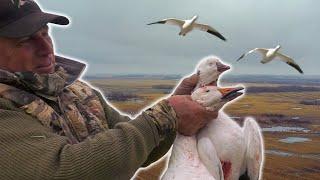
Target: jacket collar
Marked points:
73	68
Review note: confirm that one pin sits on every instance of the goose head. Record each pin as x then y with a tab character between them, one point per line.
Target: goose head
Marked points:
278	47
209	70
214	98
194	18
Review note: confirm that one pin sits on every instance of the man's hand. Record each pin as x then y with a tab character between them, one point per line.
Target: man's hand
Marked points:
191	115
187	85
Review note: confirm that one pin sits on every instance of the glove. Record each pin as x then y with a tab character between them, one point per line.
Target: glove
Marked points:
187	85
191	116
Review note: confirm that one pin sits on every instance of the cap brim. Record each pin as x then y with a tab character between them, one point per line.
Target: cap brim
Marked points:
30	24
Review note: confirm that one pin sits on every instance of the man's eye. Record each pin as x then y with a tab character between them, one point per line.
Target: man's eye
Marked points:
23	41
45	33
208	90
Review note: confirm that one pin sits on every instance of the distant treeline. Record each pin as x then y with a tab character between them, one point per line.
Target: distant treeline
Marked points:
255	89
120	96
281	89
273	79
163	86
310	102
267	79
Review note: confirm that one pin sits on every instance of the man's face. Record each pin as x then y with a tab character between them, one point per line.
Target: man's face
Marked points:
33	53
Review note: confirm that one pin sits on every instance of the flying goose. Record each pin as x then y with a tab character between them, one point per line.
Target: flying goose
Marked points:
188	25
270	54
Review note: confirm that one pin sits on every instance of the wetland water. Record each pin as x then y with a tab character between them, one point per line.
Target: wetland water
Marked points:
285	129
291	140
290	154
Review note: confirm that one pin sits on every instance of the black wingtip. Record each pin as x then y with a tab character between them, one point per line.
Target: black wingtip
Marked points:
158	22
240	57
297	67
217	34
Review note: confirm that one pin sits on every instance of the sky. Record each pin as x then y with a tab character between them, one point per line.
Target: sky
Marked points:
113	38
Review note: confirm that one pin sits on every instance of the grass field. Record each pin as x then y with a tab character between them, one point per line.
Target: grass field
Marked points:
292	161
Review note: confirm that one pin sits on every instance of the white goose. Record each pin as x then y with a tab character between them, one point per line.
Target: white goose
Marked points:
188	25
270	54
184	162
240	150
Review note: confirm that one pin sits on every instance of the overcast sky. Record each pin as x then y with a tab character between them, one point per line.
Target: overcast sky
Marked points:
113	38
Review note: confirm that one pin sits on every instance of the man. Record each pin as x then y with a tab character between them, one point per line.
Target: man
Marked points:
54	126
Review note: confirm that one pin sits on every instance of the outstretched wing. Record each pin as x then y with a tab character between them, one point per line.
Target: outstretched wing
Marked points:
208	29
171	21
208	156
254	148
261	50
290	62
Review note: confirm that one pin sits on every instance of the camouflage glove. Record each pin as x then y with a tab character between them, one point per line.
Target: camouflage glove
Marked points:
164	117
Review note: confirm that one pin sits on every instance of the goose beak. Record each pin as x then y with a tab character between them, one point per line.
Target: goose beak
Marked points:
229	94
222	67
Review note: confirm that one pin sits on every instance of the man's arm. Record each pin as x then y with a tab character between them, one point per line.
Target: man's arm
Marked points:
164	145
112	115
29	150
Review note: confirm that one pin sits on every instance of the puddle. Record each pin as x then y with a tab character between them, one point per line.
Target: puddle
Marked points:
295	118
279	153
291	140
136	100
290	154
236	117
285	129
296	108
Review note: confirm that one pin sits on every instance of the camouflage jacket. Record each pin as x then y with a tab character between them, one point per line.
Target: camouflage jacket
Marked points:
71	108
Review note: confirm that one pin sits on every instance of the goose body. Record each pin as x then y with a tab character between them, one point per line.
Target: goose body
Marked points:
240	150
228	141
185	163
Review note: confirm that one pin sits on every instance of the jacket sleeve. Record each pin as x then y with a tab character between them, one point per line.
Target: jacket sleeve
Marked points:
164	144
113	116
29	150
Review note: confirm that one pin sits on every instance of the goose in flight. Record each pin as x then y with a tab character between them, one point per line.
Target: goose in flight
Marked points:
270	54
188	25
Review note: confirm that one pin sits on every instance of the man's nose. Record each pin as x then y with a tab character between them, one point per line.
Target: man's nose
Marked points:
44	46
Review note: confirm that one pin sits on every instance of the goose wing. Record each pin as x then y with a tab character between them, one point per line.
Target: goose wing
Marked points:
171	21
208	156
290	62
254	144
261	50
208	29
